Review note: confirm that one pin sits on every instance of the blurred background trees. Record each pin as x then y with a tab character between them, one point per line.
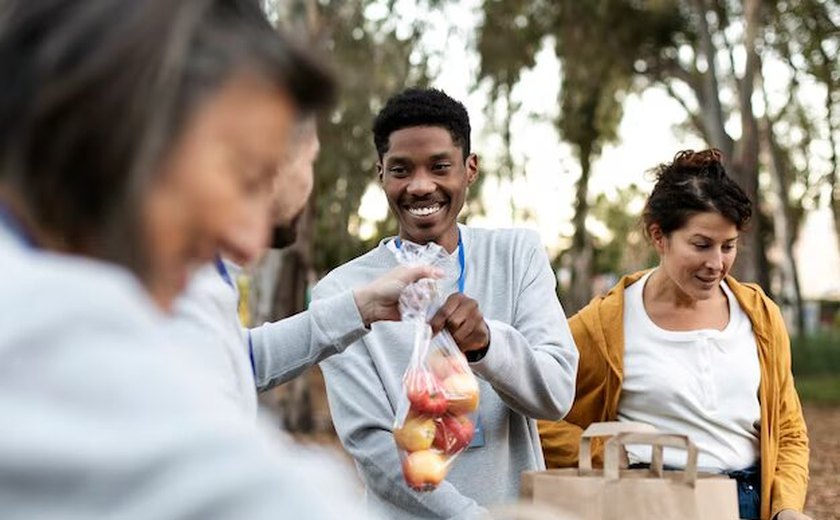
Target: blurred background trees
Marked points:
758	80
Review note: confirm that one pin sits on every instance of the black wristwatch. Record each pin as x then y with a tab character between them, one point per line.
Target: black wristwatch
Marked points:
474	356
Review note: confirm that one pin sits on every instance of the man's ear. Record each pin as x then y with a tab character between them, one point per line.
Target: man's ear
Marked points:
379	171
472	168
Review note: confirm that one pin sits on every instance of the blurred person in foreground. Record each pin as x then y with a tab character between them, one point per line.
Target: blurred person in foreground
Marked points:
688	349
206	319
503	313
136	140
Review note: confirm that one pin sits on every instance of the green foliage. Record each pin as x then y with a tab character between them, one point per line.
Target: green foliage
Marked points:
625	250
819	389
374	58
816	367
816	355
510	38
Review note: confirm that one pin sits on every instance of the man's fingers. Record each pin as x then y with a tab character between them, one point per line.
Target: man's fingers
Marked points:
460	315
439	320
462	334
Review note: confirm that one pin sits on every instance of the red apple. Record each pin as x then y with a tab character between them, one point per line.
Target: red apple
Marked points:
417	433
425	393
424	470
453	433
462	393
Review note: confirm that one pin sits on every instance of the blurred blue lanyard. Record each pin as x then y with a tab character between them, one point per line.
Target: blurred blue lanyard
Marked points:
461	260
223	272
16	228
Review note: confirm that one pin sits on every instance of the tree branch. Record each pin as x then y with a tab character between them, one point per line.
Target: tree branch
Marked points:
696	120
713	116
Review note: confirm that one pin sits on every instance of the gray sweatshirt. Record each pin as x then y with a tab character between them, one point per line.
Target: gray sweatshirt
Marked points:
285	348
528	373
205	323
102	417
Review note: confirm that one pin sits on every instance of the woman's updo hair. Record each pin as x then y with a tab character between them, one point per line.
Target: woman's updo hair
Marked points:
694	182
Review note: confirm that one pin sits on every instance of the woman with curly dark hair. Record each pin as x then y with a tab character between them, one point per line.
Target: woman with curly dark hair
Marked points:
688	349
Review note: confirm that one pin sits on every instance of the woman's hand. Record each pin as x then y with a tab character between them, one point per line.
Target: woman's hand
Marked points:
791	514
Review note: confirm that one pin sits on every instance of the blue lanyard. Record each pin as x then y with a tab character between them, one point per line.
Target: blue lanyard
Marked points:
462	261
223	272
14	226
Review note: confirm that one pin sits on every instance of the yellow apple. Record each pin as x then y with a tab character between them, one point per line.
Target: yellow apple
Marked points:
461	392
416	434
424	470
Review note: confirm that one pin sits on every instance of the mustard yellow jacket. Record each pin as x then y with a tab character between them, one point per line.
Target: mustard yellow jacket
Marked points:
598	330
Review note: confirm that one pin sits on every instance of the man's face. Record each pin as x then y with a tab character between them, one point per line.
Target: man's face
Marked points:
293	184
214	191
425	179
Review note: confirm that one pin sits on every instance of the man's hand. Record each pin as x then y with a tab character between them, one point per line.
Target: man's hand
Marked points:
379	300
461	316
791	514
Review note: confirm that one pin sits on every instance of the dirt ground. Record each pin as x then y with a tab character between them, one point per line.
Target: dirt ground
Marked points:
824	489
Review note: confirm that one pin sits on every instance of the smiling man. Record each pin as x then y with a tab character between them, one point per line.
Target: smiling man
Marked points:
503	313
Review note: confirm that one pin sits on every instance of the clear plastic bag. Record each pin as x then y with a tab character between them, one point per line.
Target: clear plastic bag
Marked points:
436	415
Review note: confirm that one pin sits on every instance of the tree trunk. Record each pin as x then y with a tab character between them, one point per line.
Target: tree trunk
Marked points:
834	185
712	112
835	204
581	253
507	135
745	164
783	224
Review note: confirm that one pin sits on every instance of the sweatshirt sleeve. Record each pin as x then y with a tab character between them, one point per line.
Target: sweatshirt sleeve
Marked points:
532	362
283	349
364	418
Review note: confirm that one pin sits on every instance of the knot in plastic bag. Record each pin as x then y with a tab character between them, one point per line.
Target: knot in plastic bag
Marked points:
422	299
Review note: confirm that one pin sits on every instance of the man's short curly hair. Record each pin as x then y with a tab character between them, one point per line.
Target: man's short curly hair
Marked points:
422	107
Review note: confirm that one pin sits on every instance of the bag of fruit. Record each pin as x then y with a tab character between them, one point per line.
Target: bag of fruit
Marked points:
436	415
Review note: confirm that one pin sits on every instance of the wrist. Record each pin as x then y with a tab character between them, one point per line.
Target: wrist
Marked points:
474	356
364	303
477	354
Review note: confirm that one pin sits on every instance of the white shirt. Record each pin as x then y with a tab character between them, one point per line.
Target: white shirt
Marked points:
703	383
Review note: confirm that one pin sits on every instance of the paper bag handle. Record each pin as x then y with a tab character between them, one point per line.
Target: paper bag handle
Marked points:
605	429
657	441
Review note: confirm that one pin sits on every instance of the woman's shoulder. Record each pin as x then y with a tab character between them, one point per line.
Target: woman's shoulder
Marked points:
764	314
752	297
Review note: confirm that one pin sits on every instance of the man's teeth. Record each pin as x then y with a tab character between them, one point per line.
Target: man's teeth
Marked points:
422	212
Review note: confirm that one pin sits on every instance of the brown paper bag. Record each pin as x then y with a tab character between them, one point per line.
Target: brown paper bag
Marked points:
618	494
